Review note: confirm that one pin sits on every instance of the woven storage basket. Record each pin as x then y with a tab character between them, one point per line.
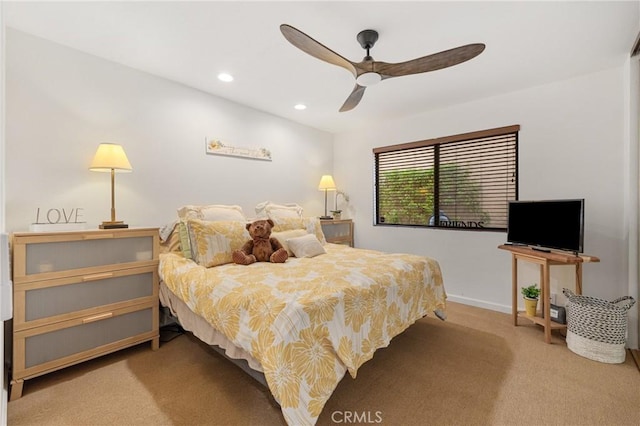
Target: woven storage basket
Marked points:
597	329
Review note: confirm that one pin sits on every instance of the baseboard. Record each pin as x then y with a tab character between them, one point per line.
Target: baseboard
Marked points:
479	303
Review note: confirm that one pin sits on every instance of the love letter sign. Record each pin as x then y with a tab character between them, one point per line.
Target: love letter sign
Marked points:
59	216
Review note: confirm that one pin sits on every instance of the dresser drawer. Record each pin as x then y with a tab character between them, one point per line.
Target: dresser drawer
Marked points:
43	302
47	256
46	348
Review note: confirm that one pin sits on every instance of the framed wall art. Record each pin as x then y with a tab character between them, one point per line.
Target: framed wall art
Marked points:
217	147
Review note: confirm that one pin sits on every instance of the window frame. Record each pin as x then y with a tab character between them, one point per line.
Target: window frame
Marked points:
436	143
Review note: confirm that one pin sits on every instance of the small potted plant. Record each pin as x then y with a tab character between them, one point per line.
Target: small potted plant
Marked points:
531	295
337	214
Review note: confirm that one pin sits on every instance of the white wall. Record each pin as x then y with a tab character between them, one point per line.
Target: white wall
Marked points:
571	145
632	189
62	103
4	385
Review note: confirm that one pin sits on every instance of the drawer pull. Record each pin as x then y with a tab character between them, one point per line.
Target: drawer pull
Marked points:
97	317
97	236
95	277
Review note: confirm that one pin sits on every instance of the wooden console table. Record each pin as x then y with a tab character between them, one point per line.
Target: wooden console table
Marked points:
545	260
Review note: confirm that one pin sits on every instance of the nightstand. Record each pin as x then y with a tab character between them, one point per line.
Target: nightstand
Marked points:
79	295
338	231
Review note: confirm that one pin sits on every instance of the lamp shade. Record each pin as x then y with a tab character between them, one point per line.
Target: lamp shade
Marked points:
327	183
110	156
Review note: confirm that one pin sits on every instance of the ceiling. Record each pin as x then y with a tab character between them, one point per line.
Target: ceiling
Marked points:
528	44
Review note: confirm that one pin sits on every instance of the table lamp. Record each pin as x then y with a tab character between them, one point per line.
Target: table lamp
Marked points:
109	158
326	184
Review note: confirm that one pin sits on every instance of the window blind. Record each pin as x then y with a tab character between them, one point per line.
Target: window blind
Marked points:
469	179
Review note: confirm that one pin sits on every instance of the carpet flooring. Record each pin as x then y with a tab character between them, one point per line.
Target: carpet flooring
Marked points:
476	368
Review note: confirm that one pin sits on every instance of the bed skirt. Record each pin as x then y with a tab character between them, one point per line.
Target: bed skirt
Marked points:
200	328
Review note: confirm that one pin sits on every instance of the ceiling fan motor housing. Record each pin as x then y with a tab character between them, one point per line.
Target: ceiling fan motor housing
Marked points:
367	38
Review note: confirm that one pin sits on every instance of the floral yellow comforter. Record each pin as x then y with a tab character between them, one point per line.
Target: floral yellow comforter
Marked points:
309	320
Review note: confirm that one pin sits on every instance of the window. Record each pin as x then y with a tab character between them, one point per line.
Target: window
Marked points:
469	179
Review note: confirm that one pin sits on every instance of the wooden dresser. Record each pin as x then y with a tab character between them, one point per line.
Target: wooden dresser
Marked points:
79	295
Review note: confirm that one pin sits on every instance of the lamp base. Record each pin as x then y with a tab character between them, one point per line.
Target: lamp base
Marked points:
113	225
325	218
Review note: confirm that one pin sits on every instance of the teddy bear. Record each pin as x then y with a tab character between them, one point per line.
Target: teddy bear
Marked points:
262	247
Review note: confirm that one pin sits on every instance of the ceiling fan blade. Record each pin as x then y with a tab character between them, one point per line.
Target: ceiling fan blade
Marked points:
444	59
353	99
315	49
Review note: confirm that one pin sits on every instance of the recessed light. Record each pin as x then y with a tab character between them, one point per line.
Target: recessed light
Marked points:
223	76
300	107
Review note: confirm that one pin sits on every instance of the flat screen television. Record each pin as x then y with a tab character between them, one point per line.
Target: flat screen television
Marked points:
547	224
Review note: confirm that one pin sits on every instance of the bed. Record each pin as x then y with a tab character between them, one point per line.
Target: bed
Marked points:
304	323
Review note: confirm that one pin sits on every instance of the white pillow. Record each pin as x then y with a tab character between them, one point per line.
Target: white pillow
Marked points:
284	236
280	212
305	246
212	212
274	211
311	224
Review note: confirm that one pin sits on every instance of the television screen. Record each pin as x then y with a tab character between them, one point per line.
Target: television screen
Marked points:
557	224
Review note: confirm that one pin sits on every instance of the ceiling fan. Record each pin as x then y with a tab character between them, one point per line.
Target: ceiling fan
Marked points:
369	72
